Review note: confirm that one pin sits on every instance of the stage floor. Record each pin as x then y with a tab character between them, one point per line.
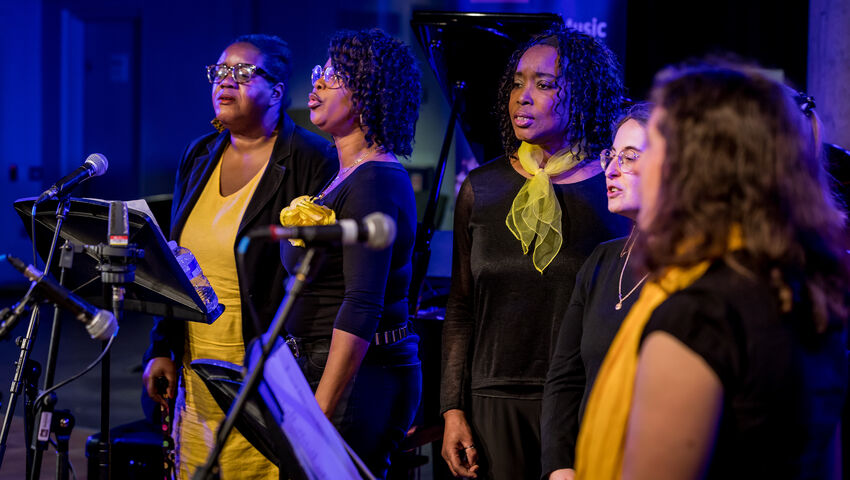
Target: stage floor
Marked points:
15	461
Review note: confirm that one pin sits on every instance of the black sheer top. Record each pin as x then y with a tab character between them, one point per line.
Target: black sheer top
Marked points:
358	290
503	315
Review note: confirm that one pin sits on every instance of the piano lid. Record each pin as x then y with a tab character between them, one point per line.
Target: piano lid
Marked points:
473	48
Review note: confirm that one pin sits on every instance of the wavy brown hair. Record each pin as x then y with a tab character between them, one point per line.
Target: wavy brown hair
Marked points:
384	80
739	152
592	98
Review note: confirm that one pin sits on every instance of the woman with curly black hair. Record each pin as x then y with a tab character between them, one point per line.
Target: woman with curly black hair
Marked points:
350	325
558	98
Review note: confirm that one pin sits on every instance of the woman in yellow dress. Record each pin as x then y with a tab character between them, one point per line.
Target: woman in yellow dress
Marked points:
227	183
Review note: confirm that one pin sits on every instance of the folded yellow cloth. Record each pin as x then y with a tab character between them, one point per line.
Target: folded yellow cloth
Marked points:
303	212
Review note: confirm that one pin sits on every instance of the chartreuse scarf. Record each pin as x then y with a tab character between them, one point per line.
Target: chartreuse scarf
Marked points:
535	209
602	437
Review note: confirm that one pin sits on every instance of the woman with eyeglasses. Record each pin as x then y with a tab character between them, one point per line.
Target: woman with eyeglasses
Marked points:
607	285
229	182
524	224
732	363
350	325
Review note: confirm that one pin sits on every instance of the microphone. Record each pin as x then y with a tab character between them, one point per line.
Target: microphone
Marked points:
94	166
99	323
377	231
118	226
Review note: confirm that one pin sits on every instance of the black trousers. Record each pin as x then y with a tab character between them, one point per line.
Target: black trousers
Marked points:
378	406
507	437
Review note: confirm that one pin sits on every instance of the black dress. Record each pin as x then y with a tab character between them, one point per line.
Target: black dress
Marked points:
503	315
589	327
783	385
362	291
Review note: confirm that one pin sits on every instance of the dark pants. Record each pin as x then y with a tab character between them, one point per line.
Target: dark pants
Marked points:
379	404
507	437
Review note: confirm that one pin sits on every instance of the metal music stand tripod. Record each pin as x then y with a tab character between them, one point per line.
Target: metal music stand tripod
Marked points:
152	283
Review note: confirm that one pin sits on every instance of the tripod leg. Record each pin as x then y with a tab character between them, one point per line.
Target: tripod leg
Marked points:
43	425
63	424
26	347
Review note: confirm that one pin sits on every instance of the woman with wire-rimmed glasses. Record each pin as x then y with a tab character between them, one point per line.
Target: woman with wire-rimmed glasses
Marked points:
355	346
606	288
227	183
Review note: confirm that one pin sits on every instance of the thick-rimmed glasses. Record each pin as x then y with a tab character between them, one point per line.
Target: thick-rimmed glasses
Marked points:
625	159
329	75
240	73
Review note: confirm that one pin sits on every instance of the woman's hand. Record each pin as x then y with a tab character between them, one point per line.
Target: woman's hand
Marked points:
563	474
458	448
160	367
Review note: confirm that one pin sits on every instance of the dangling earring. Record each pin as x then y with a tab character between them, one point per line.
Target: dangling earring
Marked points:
361	119
216	123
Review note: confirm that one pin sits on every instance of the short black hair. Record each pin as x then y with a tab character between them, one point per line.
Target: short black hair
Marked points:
277	59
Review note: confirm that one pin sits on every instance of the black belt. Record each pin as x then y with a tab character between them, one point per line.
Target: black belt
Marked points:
392	336
381	338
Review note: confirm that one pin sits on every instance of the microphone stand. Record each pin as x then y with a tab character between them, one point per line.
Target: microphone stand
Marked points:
39	445
117	266
210	469
25	343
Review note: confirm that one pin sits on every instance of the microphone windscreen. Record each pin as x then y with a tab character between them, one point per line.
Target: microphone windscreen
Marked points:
99	163
381	228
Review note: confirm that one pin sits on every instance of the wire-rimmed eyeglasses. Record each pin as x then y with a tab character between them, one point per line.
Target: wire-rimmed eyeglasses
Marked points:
329	75
625	159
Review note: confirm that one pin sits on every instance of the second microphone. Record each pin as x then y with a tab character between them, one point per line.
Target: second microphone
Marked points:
377	231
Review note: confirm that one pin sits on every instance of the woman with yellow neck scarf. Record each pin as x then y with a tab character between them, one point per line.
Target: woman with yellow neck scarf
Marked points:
524	224
731	364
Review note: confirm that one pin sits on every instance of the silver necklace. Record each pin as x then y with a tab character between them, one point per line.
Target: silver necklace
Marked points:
628	253
343	172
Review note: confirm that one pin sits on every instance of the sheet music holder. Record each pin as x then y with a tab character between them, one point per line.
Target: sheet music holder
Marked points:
305	433
160	286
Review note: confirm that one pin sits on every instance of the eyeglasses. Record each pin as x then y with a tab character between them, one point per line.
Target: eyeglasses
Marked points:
625	159
329	75
241	73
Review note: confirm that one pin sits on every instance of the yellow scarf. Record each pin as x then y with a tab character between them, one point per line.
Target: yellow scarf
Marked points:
602	436
535	209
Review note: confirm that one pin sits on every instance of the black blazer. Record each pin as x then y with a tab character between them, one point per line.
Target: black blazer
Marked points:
301	164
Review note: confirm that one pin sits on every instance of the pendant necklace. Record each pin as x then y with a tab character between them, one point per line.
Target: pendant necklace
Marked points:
628	253
343	172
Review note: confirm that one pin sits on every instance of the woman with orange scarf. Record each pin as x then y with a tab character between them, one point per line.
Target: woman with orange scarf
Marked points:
731	364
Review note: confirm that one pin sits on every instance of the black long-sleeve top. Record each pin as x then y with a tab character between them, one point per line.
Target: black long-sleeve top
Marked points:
356	289
589	327
502	315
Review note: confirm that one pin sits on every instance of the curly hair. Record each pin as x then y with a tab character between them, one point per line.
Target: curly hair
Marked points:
277	60
593	94
385	85
739	153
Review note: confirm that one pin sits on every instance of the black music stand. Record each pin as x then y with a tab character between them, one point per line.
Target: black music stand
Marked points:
154	284
160	287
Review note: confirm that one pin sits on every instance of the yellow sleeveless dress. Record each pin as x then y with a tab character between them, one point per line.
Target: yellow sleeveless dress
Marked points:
210	233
